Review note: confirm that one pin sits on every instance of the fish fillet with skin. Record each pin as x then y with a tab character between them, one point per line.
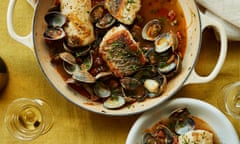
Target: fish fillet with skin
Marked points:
120	52
123	10
79	29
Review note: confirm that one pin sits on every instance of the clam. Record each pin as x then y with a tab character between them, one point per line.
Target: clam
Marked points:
179	113
167	137
149	139
83	76
97	12
101	17
152	30
170	67
103	74
54	33
68	57
166	41
153	57
132	89
106	21
129	83
155	86
139	94
80	51
101	90
146	72
114	102
87	62
86	77
182	120
80	72
55	19
70	64
184	126
69	68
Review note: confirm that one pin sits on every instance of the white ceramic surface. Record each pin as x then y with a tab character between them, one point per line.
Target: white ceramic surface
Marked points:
216	119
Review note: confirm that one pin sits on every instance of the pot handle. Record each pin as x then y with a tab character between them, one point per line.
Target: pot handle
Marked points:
206	22
26	40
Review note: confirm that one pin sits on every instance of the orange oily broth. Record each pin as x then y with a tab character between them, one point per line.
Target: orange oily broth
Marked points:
159	9
200	124
155	9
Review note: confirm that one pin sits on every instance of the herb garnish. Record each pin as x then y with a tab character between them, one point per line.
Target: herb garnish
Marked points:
131	1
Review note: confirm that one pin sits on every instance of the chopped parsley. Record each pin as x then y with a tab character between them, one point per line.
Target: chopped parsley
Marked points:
130	1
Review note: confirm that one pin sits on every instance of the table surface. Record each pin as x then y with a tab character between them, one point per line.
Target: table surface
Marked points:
73	124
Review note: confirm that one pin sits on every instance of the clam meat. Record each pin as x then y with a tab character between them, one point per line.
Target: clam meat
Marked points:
54	33
170	67
156	86
166	41
101	17
152	30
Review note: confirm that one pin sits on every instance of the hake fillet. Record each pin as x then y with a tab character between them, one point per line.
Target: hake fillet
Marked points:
196	137
120	52
79	29
123	10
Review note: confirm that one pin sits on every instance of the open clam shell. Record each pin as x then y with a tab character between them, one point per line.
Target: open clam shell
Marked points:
152	30
114	102
170	67
166	41
101	17
54	33
156	86
182	120
102	90
167	137
55	19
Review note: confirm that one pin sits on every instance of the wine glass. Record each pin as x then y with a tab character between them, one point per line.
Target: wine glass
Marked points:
26	118
229	99
3	74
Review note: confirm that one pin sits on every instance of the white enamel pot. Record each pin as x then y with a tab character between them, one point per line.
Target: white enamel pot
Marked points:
196	23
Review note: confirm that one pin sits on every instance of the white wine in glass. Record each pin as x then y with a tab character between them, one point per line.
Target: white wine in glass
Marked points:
26	119
229	99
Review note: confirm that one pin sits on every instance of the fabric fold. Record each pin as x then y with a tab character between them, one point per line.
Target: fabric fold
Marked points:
227	13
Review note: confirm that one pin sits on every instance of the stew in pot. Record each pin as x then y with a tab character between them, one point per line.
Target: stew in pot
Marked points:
116	52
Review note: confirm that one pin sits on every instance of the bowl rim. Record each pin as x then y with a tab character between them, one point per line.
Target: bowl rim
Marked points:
213	117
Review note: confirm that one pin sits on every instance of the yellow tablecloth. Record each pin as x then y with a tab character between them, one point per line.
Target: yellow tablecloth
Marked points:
74	125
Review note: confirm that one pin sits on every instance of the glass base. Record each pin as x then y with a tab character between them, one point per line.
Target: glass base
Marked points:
229	99
26	119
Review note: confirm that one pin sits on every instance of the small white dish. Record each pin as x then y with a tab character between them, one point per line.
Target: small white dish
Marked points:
216	119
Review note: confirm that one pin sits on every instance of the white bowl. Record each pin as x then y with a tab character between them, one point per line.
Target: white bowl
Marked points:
216	119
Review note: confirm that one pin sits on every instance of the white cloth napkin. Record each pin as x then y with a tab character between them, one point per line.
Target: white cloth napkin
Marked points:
226	12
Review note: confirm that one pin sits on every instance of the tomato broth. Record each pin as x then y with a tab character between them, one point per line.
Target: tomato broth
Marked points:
168	12
200	124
